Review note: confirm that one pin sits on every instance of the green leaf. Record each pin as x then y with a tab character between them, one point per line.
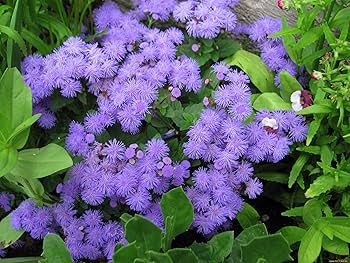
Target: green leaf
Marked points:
331	39
178	213
310	245
341	17
203	251
55	250
312	211
286	32
326	154
340	227
182	255
15	101
13	54
314	109
335	246
288	85
42	162
273	177
297	167
271	248
222	246
248	216
227	47
21	260
271	101
295	211
8	160
292	234
19	136
8	235
146	234
126	254
313	129
316	150
309	37
255	68
322	184
36	41
250	233
158	257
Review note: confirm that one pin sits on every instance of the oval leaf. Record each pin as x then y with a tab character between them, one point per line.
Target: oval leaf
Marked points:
55	250
288	85
42	162
271	101
255	68
7	234
8	160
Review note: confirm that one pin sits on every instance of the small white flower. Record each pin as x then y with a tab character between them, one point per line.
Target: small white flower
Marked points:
271	123
295	98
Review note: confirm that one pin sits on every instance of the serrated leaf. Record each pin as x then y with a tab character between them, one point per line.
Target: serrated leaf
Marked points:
322	184
340	227
335	246
312	211
295	211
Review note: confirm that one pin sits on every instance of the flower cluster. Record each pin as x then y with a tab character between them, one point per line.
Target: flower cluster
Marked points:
229	146
206	18
273	52
5	201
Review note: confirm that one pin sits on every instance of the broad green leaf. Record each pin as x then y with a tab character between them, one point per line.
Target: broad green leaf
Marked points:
8	235
42	162
295	211
250	233
313	129
273	177
292	234
310	245
314	109
158	257
222	245
297	167
288	85
19	136
271	248
15	101
248	216
340	227
126	254
341	17
146	234
271	101
178	213
22	260
322	184
336	246
312	211
125	217
182	255
203	251
255	68
55	250
227	47
8	160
